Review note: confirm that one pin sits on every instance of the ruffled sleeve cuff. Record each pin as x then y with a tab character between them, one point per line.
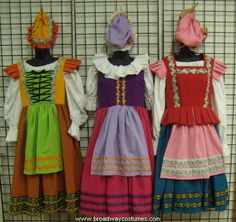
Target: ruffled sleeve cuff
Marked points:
74	131
219	69
12	135
91	104
83	118
159	68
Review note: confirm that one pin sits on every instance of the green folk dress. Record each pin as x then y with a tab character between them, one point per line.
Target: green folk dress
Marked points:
44	109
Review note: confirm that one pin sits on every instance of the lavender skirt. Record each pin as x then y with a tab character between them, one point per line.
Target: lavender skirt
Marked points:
121	147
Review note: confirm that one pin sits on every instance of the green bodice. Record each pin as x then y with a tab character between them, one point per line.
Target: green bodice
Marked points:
39	85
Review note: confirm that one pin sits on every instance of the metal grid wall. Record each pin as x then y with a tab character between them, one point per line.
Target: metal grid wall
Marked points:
82	26
16	17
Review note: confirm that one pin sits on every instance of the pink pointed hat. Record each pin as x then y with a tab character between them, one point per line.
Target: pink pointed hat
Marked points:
189	31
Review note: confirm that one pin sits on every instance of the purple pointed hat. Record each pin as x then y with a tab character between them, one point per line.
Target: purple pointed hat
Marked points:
119	32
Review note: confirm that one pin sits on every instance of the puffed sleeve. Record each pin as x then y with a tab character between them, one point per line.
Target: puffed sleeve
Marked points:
148	78
76	99
91	89
219	102
13	103
159	71
159	68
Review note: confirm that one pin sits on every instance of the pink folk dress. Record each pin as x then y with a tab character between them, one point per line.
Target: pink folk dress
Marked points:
188	104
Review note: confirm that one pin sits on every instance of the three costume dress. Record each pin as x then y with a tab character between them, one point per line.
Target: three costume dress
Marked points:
46	103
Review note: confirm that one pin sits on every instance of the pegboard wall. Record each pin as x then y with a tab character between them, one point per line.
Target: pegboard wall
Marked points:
82	26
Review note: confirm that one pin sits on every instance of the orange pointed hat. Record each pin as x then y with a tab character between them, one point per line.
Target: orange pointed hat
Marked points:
42	34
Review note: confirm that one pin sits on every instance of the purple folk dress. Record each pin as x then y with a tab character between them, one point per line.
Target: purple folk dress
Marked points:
117	176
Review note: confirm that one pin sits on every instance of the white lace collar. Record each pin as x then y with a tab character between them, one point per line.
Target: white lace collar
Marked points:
111	71
50	66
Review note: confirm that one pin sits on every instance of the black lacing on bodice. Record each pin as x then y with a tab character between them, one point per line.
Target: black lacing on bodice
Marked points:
39	85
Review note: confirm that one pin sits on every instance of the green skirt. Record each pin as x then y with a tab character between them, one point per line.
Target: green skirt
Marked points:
43	152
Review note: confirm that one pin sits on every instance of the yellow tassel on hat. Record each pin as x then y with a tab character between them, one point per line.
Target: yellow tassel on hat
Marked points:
41	29
189	10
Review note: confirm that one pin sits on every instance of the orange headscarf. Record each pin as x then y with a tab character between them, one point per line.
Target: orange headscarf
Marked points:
42	34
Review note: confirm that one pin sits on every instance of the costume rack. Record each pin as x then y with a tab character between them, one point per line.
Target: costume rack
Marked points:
82	26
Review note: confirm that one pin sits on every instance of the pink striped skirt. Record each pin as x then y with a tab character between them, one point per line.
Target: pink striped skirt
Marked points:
113	195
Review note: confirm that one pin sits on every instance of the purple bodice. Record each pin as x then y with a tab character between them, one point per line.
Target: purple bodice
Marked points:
127	91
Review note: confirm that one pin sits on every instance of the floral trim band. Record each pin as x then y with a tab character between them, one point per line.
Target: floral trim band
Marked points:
192	71
193	162
208	64
203	172
189	195
209	199
174	71
189	205
47	204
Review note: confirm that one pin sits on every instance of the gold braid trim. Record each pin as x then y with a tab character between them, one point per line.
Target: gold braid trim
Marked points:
121	91
123	88
117	92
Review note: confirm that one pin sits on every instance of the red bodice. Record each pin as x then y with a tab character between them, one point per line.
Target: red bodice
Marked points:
189	93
